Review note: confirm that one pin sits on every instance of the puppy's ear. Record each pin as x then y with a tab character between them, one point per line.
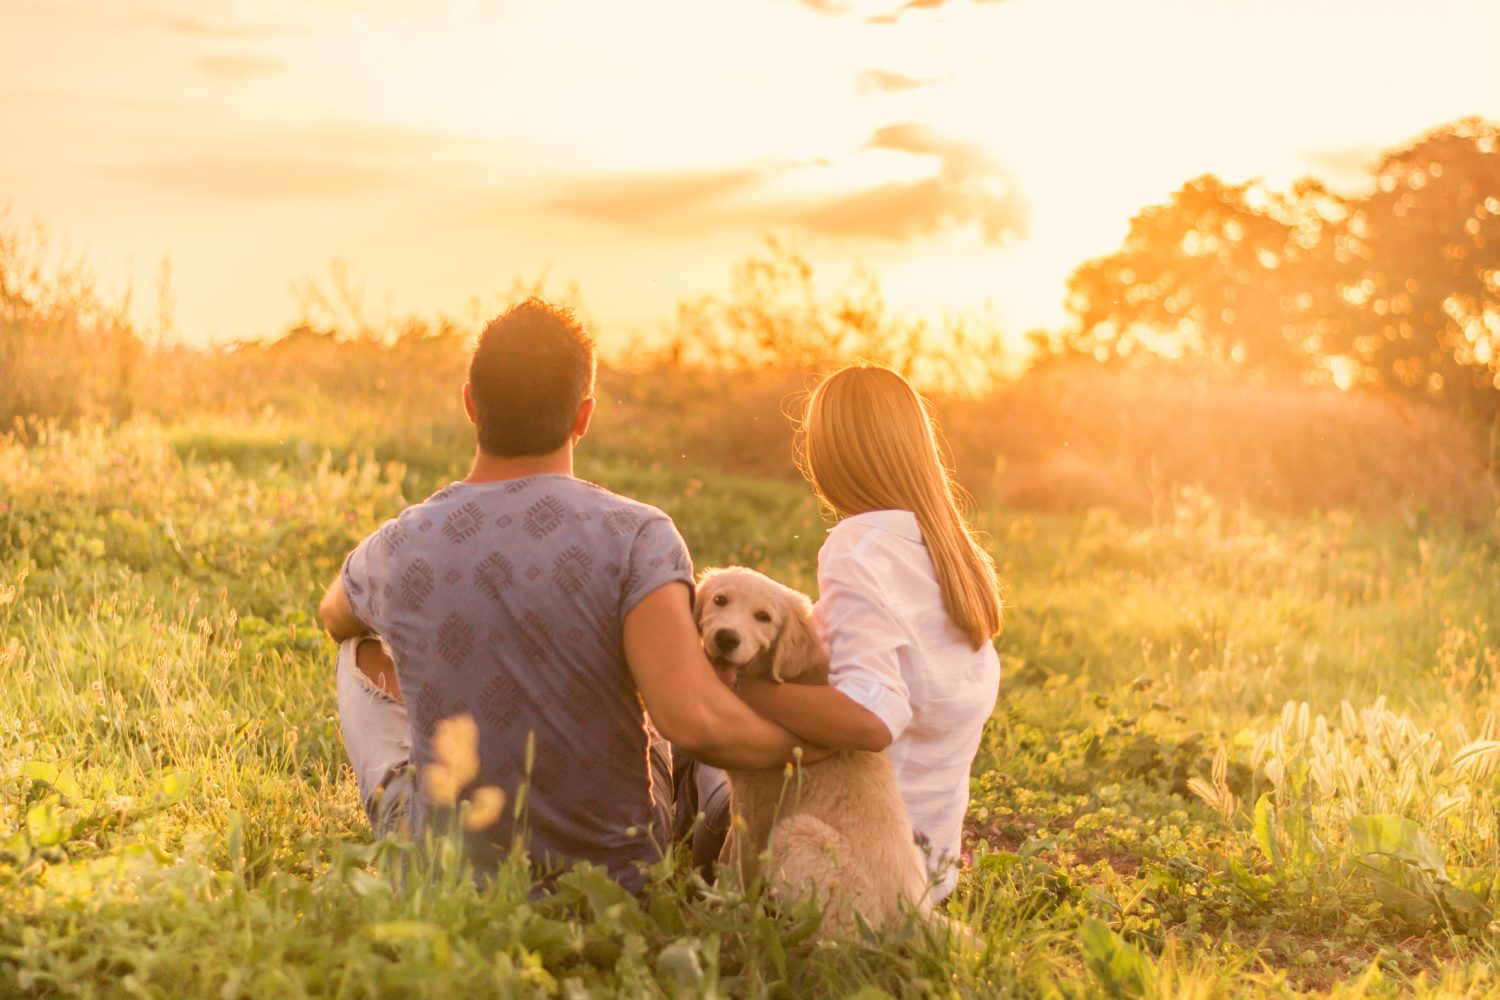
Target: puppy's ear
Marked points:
700	595
797	651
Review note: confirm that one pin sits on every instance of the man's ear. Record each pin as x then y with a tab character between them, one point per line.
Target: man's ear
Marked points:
584	416
797	650
469	404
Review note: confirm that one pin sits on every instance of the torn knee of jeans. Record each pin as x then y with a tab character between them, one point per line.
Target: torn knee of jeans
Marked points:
369	685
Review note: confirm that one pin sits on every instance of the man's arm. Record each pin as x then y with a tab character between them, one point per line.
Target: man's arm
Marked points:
816	712
337	616
687	701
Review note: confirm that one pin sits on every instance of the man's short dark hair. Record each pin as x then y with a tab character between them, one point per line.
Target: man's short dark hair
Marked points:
533	368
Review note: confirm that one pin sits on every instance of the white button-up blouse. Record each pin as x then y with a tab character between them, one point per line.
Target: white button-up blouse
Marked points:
895	651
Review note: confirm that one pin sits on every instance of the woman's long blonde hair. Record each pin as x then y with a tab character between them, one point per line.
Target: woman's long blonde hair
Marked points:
867	442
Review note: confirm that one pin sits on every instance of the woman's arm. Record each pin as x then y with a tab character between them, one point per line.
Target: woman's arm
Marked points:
816	713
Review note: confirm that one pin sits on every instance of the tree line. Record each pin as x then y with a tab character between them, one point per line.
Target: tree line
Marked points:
1397	287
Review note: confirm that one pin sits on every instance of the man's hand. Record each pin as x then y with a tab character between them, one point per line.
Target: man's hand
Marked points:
689	704
337	616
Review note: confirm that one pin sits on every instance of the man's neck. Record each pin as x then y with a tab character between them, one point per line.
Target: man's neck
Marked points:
494	468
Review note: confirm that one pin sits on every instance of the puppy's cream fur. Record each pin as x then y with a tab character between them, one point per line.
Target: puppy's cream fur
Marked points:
837	830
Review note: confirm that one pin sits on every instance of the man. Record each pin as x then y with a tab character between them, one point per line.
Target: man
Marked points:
548	610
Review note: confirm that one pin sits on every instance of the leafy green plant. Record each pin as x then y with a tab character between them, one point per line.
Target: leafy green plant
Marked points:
1117	966
1408	875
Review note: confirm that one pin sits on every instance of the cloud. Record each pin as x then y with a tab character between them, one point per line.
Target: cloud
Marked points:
258	179
344	137
319	157
319	139
668	200
885	81
833	8
1344	162
829	7
238	67
910	209
145	105
909	137
197	26
970	187
911	5
895	15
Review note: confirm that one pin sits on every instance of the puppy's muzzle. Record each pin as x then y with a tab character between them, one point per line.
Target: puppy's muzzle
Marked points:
726	641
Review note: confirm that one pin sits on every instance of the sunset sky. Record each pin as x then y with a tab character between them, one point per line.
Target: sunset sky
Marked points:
968	153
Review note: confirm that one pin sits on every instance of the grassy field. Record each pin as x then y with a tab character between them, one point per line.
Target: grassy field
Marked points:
1233	754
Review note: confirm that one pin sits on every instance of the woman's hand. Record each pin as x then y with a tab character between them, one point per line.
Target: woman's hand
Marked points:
762	695
759	693
816	713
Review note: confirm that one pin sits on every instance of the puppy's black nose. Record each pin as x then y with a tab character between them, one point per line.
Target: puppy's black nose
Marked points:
727	640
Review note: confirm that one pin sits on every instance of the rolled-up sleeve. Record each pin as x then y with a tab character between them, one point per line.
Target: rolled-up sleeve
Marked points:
866	641
658	557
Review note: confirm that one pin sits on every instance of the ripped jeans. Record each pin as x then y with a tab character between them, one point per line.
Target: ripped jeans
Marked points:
378	738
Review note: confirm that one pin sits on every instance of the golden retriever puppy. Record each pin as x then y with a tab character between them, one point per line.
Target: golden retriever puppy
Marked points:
836	830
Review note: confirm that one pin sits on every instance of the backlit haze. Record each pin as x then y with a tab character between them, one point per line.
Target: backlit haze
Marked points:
969	154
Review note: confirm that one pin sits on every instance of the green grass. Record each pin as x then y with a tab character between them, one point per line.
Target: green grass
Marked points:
176	816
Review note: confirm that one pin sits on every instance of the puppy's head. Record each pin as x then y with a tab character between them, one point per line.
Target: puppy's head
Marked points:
752	623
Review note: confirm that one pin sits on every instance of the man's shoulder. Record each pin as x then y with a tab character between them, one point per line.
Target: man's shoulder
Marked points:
620	514
540	499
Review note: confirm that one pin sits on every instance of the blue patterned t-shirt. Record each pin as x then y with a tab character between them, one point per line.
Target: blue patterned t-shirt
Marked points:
506	601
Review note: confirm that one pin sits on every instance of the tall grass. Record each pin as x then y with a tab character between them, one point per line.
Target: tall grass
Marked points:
718	393
1247	740
1071	436
176	817
65	351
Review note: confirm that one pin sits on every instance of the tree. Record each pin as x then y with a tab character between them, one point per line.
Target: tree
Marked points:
1428	241
1231	273
777	316
1400	287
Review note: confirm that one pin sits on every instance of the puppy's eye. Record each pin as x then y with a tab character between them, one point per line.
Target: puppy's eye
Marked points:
720	600
762	616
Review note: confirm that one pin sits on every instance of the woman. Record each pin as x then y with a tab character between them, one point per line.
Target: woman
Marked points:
909	602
